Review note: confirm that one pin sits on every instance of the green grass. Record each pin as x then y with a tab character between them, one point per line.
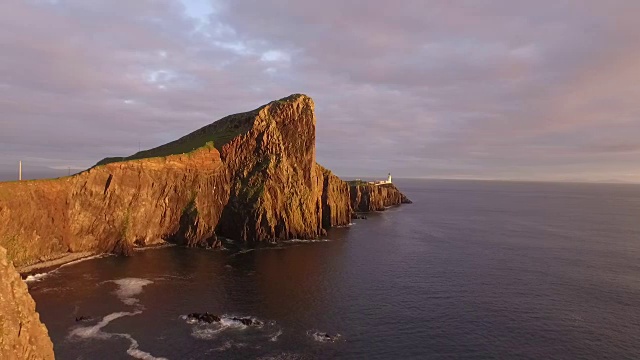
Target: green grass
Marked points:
357	182
212	136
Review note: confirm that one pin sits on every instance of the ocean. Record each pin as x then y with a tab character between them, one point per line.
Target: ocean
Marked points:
470	270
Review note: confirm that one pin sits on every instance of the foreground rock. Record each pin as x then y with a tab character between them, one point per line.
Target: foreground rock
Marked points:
250	177
206	317
210	319
22	335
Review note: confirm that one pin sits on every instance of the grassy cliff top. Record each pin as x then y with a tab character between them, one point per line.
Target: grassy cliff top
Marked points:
213	135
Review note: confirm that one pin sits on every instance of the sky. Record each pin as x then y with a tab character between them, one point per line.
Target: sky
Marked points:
488	89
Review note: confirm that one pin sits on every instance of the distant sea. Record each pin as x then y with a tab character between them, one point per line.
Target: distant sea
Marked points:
471	270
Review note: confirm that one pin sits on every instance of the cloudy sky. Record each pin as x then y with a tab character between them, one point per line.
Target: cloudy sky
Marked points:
506	89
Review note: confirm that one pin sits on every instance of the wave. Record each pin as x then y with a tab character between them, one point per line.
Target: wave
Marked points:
130	287
230	325
345	226
95	332
304	241
275	336
242	252
230	344
37	277
127	289
83	260
154	247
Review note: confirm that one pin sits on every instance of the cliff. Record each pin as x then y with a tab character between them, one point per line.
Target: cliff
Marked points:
336	206
22	335
365	198
250	176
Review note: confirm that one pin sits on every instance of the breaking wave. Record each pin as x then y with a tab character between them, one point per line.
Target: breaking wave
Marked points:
36	277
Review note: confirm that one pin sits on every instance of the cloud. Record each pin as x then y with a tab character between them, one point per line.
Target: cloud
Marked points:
488	89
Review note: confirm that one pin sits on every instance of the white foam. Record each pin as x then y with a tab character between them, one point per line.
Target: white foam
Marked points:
135	352
95	332
40	276
130	287
206	333
305	241
210	331
320	336
230	344
347	225
275	336
84	259
36	277
154	247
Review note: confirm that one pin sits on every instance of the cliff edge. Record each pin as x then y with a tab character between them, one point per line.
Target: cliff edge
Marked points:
250	177
22	335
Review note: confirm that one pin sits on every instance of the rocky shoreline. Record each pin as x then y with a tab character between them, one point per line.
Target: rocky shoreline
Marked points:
251	177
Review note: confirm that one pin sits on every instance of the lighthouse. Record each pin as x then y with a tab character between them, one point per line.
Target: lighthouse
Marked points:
389	179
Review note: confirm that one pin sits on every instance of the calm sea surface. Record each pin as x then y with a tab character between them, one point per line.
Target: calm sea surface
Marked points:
471	270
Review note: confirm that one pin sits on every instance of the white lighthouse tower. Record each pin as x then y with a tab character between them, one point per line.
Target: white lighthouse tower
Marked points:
389	179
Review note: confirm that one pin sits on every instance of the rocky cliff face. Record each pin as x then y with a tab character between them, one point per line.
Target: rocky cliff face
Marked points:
110	208
365	198
250	176
275	188
336	207
22	335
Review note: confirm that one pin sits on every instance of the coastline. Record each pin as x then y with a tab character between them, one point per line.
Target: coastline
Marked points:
56	262
69	258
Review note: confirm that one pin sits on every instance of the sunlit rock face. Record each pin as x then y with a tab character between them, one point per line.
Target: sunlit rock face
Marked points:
250	177
22	335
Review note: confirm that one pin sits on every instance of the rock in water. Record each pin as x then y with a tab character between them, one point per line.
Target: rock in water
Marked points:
248	321
206	317
22	335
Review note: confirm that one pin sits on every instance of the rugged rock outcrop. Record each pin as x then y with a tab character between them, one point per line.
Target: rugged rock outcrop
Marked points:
250	176
275	188
22	335
365	198
336	206
113	207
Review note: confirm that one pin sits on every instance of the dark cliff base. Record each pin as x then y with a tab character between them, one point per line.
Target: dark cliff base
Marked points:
251	177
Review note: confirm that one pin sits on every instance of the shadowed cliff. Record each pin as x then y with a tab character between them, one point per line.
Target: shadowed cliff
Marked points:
250	177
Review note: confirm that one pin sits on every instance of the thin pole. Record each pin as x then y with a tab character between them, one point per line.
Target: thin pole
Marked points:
20	170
